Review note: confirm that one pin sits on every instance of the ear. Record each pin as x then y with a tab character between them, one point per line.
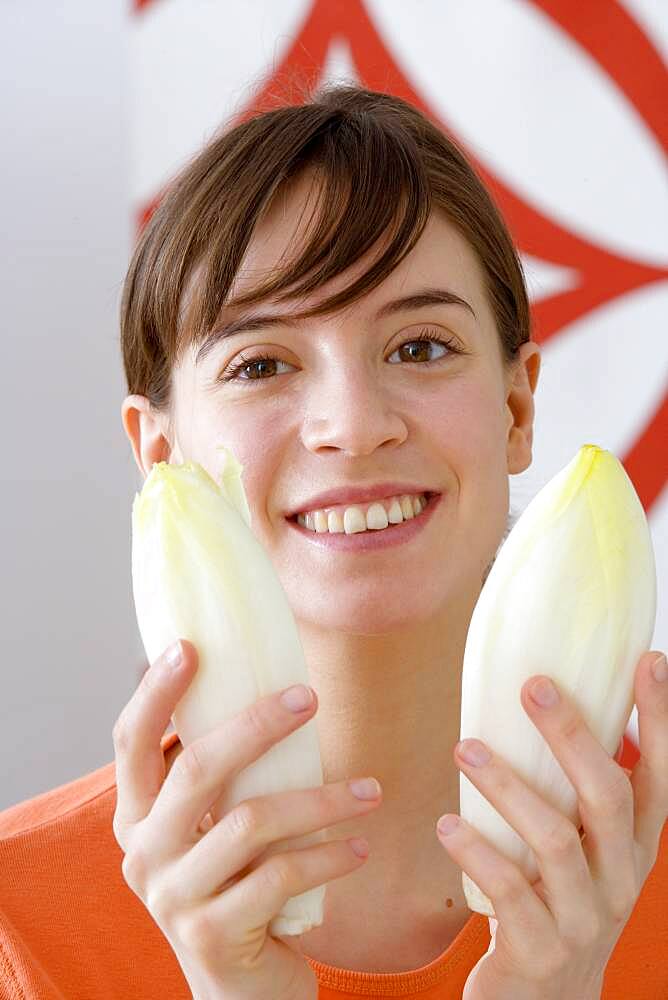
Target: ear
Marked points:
147	431
520	407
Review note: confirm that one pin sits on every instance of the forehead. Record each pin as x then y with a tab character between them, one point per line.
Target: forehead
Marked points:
442	256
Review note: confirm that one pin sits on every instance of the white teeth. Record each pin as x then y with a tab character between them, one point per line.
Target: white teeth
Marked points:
335	522
320	520
407	508
354	519
394	514
376	517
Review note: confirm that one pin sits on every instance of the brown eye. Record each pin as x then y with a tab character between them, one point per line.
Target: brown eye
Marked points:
420	349
417	350
263	365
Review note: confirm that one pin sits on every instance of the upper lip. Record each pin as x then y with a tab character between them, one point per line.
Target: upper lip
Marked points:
356	494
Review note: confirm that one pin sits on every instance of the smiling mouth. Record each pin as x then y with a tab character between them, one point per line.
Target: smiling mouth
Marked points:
355	524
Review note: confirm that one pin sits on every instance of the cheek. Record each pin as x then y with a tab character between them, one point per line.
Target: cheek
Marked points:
259	445
258	436
468	429
466	421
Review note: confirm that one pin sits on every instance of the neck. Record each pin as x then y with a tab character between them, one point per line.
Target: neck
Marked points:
389	707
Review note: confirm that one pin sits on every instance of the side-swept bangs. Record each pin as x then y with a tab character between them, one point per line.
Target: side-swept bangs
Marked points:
379	167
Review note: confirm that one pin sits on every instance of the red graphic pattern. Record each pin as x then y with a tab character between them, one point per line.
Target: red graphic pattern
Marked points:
616	42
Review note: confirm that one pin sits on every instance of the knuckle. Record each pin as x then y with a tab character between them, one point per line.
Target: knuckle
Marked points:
256	722
621	904
245	821
152	680
554	964
118	830
160	904
509	887
134	870
561	840
190	767
620	789
197	932
571	728
582	933
614	799
121	734
580	936
278	875
504	781
590	932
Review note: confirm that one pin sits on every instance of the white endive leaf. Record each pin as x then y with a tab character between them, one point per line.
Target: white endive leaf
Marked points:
199	573
572	595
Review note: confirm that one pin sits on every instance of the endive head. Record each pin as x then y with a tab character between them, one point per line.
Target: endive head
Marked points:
176	484
595	485
591	505
572	595
582	547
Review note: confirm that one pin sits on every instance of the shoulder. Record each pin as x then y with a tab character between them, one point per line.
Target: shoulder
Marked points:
66	806
62	882
56	805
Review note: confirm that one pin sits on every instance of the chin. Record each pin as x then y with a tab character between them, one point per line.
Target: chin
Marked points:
367	610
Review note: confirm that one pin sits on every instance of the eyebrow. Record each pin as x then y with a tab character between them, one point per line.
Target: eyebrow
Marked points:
418	300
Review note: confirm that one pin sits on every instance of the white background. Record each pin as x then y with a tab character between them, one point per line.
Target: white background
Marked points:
69	646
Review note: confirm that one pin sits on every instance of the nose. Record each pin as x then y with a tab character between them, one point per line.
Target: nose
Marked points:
354	413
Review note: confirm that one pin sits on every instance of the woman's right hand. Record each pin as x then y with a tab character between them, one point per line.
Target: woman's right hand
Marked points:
214	913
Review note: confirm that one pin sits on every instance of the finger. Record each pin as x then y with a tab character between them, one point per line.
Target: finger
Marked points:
553	839
140	762
605	795
244	833
649	778
200	773
528	925
255	900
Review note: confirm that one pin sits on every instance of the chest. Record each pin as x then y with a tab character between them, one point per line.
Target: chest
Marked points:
388	943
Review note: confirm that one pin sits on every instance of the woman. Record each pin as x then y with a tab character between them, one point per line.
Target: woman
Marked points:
329	291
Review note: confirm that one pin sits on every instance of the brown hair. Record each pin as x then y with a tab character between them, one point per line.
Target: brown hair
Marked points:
382	166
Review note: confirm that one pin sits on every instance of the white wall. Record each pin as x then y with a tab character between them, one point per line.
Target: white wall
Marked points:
71	655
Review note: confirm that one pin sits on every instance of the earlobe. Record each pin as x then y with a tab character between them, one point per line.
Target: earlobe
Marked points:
145	431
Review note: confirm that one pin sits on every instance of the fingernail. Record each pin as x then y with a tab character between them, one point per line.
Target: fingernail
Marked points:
365	788
543	693
174	655
474	752
297	698
660	668
447	824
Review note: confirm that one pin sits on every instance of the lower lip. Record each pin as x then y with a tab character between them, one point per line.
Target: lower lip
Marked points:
366	541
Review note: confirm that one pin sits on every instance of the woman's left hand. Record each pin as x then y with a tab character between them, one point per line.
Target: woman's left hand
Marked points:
552	939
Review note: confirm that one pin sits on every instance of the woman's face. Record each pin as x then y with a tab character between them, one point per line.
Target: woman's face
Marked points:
349	400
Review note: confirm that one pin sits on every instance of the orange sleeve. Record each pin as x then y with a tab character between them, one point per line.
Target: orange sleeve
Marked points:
638	966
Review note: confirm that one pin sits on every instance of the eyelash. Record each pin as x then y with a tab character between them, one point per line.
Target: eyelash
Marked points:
230	374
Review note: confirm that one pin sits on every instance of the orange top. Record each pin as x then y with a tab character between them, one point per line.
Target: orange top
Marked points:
71	929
